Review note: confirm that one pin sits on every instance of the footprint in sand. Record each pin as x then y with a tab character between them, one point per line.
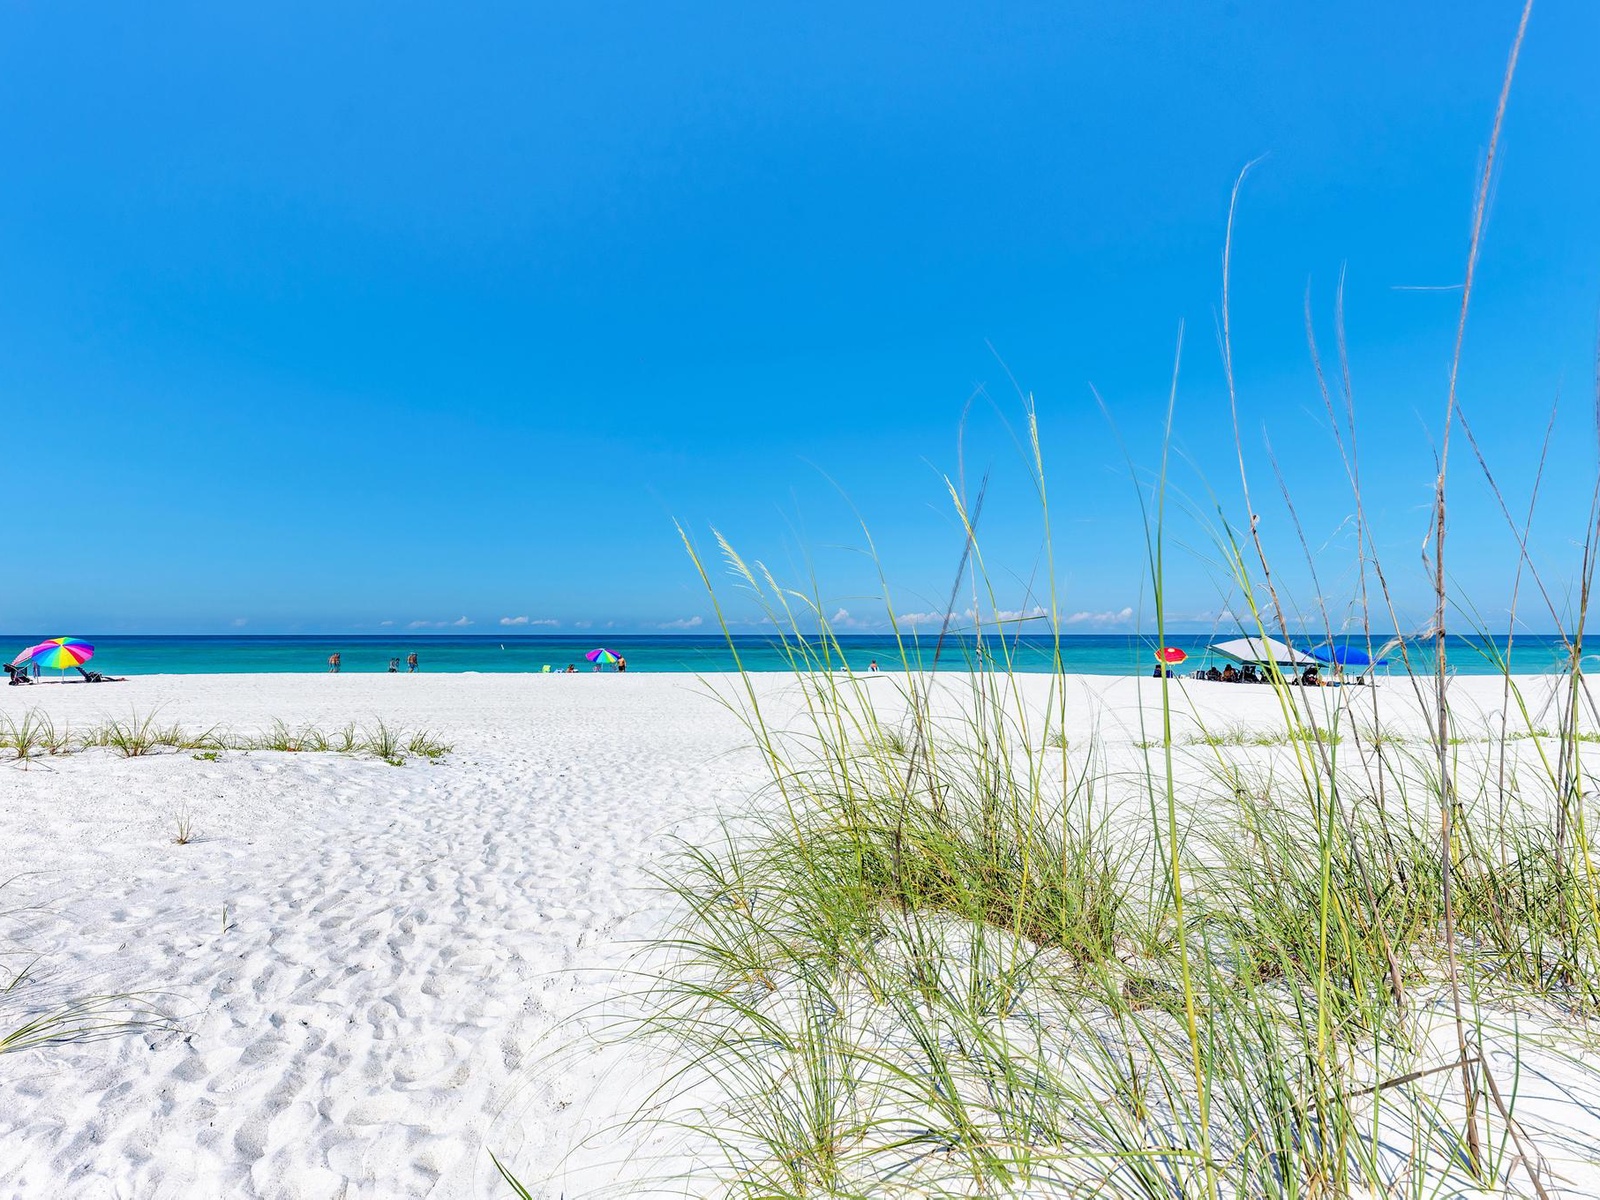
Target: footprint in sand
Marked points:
425	1060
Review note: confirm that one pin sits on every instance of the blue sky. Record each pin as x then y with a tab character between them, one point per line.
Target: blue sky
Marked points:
315	317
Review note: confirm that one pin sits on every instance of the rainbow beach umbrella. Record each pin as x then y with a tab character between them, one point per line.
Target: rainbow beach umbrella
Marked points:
57	654
602	656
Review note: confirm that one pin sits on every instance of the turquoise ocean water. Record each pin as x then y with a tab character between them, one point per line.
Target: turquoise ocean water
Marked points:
1118	654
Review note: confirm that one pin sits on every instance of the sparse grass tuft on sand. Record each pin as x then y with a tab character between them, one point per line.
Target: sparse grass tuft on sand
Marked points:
140	736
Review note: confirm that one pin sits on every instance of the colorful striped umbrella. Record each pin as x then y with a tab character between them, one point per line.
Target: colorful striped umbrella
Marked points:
57	654
602	656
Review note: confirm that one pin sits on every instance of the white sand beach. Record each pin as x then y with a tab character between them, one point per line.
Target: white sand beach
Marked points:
362	966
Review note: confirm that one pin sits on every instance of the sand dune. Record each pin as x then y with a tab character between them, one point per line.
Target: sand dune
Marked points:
362	965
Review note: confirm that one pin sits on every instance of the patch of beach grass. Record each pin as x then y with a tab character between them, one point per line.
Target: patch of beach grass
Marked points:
141	736
385	743
34	734
88	1019
942	962
132	738
425	745
1247	735
279	737
34	1012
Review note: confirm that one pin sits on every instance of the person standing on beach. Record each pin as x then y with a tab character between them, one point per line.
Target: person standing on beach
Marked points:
622	663
411	662
394	665
333	663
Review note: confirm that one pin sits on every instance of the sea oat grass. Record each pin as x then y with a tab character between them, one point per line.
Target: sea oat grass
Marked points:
949	956
36	1013
139	736
33	735
1246	735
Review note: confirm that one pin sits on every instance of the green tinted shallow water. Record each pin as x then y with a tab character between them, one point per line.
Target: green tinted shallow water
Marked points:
1119	654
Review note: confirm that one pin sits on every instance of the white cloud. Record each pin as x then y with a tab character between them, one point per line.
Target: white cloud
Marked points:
385	622
582	624
1120	617
458	623
843	620
1019	614
513	620
959	620
680	623
529	621
240	622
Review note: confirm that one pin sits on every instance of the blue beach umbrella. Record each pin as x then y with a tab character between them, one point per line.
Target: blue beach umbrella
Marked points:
1346	656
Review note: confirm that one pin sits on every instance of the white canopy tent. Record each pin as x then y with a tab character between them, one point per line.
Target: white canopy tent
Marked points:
1263	651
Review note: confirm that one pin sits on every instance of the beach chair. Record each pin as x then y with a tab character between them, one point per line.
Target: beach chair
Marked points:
19	675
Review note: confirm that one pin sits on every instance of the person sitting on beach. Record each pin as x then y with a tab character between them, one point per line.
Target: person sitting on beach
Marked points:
411	662
571	670
873	665
1311	678
19	675
333	663
1229	674
1213	675
1248	675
